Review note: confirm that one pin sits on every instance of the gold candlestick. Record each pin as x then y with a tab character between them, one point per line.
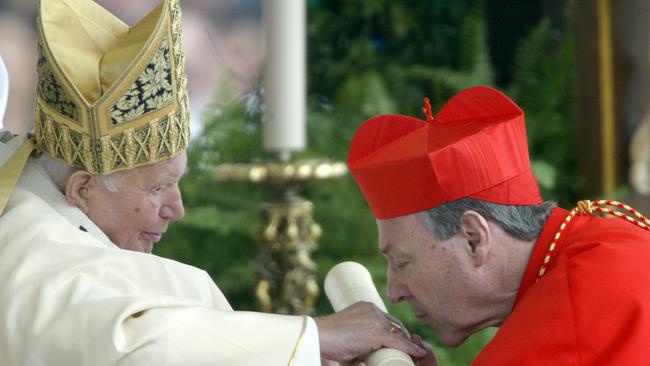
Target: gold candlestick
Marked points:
288	234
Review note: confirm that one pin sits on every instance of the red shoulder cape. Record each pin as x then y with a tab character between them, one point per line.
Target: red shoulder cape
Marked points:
592	307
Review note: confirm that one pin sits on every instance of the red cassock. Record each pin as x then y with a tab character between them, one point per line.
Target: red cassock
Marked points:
591	306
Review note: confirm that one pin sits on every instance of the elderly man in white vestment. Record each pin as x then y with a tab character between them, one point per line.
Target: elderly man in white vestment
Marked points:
111	128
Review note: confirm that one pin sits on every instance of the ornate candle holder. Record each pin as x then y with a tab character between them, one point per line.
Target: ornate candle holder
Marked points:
285	272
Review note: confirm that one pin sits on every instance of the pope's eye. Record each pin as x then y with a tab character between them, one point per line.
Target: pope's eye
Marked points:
401	265
160	188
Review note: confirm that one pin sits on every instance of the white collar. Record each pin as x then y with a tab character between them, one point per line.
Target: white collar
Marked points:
37	181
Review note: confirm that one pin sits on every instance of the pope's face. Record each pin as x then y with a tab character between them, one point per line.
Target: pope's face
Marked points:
434	276
136	216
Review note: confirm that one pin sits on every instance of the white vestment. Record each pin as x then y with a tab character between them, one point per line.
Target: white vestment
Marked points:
71	297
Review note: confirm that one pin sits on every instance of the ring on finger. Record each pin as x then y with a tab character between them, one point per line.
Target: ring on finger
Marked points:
393	327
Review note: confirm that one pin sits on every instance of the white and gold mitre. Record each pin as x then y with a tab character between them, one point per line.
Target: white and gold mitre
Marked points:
110	97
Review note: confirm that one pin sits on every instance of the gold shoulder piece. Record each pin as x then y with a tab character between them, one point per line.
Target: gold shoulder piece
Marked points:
10	172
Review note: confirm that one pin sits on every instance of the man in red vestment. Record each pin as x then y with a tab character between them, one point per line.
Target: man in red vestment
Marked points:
471	244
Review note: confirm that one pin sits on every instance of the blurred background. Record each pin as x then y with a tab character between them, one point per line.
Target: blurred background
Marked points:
580	69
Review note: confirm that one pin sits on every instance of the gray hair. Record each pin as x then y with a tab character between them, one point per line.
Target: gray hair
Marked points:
524	222
60	172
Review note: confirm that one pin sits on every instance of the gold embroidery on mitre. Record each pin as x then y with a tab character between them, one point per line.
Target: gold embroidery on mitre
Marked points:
140	118
50	90
151	91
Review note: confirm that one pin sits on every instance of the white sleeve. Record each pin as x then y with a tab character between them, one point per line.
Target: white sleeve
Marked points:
66	299
309	353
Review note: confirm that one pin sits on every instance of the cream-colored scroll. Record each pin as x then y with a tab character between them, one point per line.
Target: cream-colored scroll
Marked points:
350	282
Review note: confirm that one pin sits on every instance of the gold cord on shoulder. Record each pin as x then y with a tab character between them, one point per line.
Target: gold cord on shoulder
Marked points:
587	207
584	207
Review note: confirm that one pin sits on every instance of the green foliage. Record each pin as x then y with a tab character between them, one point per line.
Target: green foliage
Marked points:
216	234
544	86
367	58
475	67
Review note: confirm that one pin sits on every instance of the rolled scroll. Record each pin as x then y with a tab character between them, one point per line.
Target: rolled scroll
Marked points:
350	282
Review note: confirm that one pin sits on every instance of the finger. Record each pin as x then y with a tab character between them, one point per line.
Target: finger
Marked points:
325	362
430	358
403	344
417	340
394	322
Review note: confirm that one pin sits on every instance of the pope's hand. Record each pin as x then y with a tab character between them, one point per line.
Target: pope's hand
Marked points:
360	329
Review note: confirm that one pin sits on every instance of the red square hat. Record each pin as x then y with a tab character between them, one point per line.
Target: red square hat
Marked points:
474	147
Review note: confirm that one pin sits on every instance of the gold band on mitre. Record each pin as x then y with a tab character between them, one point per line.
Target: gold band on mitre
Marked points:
110	97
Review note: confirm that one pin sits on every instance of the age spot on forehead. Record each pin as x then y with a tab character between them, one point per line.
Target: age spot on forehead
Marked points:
137	209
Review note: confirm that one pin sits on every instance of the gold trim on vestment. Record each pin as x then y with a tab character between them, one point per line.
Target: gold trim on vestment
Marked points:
11	170
292	360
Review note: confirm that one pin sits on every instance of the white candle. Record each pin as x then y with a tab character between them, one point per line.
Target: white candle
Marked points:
285	90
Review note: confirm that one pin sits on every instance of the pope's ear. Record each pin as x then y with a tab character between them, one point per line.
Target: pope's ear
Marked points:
476	234
77	189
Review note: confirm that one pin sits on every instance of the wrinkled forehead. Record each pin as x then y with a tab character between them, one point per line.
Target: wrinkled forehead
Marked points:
398	233
174	167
